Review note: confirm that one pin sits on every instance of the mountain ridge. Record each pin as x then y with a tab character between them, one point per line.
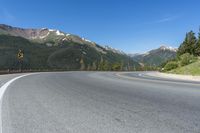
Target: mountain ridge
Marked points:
52	37
41	34
155	57
53	49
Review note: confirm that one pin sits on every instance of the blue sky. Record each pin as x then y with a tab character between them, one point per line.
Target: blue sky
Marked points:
129	25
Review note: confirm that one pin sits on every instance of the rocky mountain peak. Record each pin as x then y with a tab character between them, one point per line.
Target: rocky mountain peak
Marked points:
163	47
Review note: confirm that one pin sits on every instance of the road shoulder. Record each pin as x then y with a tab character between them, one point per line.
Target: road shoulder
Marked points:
174	76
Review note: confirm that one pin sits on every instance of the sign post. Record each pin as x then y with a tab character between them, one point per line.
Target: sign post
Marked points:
20	57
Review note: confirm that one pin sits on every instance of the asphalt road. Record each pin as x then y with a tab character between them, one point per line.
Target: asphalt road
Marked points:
100	102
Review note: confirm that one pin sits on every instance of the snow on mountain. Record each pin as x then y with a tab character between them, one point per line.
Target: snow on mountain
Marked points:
168	48
67	35
114	50
52	30
84	39
156	57
47	36
59	33
44	36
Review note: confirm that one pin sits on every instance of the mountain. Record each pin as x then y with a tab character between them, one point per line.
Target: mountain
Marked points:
47	49
50	37
114	50
155	57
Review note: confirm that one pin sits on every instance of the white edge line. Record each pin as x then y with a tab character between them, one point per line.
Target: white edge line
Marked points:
2	91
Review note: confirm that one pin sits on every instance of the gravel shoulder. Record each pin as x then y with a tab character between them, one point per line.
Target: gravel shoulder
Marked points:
174	76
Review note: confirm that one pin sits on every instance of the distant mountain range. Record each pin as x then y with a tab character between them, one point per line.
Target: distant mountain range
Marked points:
53	49
155	57
50	37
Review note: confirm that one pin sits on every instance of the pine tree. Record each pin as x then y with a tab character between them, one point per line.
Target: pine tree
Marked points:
121	65
106	66
88	67
197	50
116	66
100	66
94	67
189	44
82	64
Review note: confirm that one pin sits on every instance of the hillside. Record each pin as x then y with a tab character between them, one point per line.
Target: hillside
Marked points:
50	37
188	57
191	69
52	49
155	57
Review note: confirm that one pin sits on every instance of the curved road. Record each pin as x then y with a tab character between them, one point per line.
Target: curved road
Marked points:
100	102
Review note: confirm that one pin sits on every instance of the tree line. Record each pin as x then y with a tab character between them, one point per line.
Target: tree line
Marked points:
191	44
187	53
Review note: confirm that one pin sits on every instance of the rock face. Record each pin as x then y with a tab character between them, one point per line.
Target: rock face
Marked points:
155	57
25	33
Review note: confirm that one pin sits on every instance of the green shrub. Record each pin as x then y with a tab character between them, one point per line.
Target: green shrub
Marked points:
116	67
186	59
170	65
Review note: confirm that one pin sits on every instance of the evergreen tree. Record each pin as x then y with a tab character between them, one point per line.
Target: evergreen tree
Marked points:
88	67
188	45
100	65
106	66
121	65
116	66
197	50
94	67
82	64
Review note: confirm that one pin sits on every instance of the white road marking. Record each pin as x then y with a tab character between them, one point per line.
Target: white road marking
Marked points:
2	91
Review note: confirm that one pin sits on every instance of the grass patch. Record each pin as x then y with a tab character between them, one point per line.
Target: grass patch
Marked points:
191	69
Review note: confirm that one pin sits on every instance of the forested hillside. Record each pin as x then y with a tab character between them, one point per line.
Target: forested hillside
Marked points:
65	56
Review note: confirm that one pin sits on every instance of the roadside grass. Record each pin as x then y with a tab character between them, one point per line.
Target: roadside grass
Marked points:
191	69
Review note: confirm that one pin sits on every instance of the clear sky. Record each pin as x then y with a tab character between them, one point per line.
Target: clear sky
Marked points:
129	25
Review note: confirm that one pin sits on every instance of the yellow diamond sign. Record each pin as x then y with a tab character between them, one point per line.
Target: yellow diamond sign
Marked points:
20	54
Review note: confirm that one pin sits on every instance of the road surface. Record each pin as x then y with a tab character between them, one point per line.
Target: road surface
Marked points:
99	102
